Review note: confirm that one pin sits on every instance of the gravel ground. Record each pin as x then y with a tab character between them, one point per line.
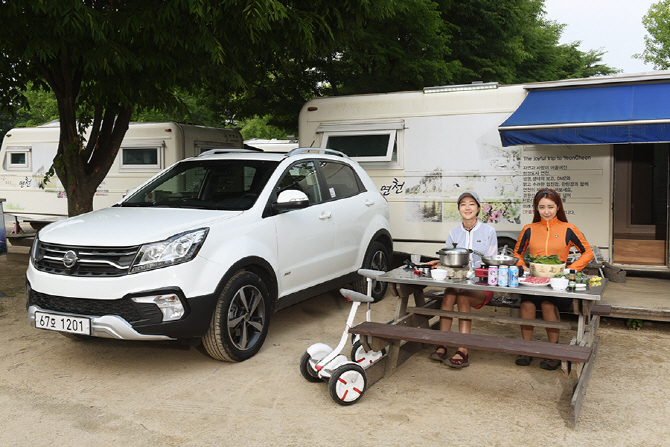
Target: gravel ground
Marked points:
59	392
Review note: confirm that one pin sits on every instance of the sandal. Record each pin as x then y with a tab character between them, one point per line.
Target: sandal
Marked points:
437	355
550	364
523	360
458	363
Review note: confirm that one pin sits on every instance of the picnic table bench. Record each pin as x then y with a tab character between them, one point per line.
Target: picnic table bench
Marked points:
411	330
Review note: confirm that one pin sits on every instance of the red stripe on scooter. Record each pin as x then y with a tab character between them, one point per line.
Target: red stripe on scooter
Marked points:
358	391
344	396
361	360
342	380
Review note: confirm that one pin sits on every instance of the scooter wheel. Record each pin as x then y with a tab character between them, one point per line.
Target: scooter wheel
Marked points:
306	369
363	357
347	384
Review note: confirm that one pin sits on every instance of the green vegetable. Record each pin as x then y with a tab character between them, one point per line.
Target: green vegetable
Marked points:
579	277
552	259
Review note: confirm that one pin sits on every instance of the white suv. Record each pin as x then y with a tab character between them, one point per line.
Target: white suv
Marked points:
210	248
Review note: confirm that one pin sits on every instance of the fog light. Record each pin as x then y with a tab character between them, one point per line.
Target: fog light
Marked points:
170	305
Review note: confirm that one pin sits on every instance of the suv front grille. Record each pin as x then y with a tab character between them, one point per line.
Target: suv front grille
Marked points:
90	261
125	308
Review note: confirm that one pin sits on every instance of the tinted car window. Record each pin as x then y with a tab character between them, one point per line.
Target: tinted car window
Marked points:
341	180
302	177
211	184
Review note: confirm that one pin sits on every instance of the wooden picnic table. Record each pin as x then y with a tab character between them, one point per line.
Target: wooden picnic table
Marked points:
411	330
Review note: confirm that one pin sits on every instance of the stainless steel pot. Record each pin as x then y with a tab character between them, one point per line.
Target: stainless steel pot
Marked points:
454	257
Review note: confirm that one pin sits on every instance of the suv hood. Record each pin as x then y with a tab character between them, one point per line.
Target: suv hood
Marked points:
119	227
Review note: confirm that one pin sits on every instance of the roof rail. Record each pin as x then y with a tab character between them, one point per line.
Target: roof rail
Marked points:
320	150
226	151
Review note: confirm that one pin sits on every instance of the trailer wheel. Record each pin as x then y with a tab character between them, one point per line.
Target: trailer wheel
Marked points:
376	258
347	384
241	319
306	369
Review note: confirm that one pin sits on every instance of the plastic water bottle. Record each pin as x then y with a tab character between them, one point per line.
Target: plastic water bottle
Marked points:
514	276
503	276
493	275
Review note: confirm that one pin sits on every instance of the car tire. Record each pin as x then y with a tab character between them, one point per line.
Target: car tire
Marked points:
241	319
377	257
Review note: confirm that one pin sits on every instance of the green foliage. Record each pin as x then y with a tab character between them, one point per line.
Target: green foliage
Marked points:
634	324
106	61
413	44
259	127
657	43
551	259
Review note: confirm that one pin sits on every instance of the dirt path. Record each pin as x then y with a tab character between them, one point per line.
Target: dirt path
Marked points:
59	392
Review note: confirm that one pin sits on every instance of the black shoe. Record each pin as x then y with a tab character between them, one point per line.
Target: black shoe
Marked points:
550	364
523	360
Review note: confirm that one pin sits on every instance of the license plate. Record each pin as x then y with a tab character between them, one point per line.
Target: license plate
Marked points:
63	323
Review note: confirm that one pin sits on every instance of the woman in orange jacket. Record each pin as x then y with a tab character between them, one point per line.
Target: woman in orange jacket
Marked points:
549	234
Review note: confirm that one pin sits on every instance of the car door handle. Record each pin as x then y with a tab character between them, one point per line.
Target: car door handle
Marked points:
324	216
369	202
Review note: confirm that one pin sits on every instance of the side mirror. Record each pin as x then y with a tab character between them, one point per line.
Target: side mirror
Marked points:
291	200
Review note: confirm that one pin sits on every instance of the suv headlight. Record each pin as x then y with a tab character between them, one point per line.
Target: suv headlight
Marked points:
33	249
175	250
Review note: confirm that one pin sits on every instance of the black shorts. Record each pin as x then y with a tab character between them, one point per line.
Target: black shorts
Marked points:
563	304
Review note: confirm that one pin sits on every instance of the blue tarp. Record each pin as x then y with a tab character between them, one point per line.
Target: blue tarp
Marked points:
636	113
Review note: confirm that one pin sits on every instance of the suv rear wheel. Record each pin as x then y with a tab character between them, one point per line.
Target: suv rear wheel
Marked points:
241	319
376	258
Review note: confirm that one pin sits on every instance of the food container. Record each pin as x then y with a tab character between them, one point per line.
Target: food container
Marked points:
546	270
438	274
454	257
559	283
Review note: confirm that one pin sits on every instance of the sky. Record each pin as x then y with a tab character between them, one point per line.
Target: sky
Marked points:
615	26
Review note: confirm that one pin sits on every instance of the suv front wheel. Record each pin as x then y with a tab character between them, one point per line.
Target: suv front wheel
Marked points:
376	258
241	319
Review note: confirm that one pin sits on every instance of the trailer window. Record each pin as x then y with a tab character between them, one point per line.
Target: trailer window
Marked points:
18	158
364	146
145	159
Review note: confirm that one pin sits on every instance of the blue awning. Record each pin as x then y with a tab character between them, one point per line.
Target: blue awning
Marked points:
620	114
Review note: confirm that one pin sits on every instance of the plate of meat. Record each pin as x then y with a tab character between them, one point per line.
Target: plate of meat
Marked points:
534	281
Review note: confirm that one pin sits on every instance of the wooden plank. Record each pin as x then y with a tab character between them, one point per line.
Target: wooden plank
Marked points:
475	341
639	252
375	372
601	309
501	319
580	389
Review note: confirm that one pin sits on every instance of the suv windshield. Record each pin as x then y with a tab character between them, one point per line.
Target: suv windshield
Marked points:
206	184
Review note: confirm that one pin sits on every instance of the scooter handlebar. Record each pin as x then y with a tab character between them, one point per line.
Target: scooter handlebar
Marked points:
356	296
372	274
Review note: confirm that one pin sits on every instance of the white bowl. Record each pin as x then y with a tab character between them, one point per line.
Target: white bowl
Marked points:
438	274
559	283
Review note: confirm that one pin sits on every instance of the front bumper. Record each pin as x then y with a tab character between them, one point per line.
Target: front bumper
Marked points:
107	326
125	319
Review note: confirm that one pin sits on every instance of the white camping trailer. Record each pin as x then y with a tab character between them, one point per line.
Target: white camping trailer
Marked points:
27	153
424	148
